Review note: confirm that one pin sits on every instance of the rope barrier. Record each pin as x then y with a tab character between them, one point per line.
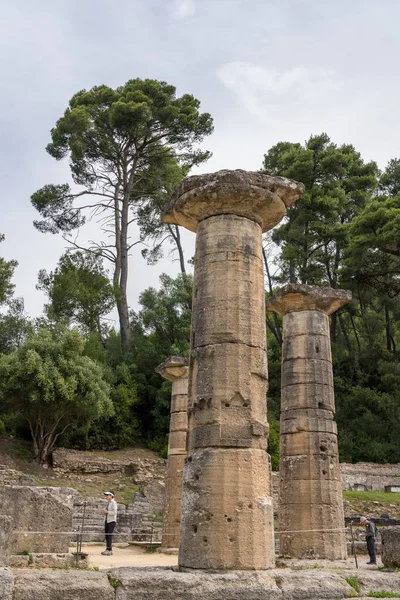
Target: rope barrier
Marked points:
141	529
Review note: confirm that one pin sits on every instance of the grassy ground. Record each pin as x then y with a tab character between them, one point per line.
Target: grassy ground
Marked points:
374	503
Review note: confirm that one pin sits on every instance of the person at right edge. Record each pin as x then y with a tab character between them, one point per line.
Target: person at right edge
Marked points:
111	520
370	535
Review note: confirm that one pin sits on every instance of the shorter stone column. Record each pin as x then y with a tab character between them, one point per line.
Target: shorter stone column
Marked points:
5	539
175	368
310	489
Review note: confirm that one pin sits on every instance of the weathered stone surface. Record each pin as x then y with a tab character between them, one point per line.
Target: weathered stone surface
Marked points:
390	546
227	515
296	297
315	530
302	466
282	584
308	396
306	371
310	502
227	388
176	369
309	442
309	420
37	509
229	272
166	584
62	585
257	197
6	584
5	539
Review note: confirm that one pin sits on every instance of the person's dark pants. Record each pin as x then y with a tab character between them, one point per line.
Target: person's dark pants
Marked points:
371	548
109	529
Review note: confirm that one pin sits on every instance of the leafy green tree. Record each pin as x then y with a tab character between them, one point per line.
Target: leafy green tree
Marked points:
338	184
79	291
52	385
6	272
152	229
161	329
117	141
15	326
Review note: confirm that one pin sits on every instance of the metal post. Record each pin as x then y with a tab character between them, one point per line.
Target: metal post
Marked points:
353	546
77	546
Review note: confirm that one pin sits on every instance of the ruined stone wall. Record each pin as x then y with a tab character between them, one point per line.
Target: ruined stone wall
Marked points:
37	509
370	476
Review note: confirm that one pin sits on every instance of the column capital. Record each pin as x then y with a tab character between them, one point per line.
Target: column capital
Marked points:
175	367
257	197
296	297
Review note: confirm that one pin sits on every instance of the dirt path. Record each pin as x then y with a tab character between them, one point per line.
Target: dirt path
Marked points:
133	556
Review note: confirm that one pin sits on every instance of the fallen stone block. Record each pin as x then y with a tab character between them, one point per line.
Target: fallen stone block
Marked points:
62	585
391	547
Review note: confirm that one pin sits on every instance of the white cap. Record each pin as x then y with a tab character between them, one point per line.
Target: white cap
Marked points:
363	519
109	494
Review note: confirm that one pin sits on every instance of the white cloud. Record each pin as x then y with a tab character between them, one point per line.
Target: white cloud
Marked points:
269	94
184	9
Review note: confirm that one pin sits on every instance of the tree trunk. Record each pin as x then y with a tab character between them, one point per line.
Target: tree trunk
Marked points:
122	299
276	328
388	330
174	229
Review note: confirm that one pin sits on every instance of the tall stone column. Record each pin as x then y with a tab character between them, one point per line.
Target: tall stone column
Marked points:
176	369
227	516
310	489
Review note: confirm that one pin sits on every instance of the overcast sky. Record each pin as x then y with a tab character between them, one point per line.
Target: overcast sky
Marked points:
267	70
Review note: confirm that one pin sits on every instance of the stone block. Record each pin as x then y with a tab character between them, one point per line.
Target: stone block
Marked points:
6	584
315	466
179	402
390	540
311	420
314	491
227	514
295	297
6	526
316	347
37	509
228	299
314	530
309	442
230	436
227	387
308	396
178	421
176	441
62	585
179	386
306	322
306	371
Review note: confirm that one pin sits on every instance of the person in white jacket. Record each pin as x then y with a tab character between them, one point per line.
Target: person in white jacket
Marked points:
110	512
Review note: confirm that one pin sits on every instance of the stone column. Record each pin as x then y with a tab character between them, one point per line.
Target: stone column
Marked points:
227	516
310	488
175	368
